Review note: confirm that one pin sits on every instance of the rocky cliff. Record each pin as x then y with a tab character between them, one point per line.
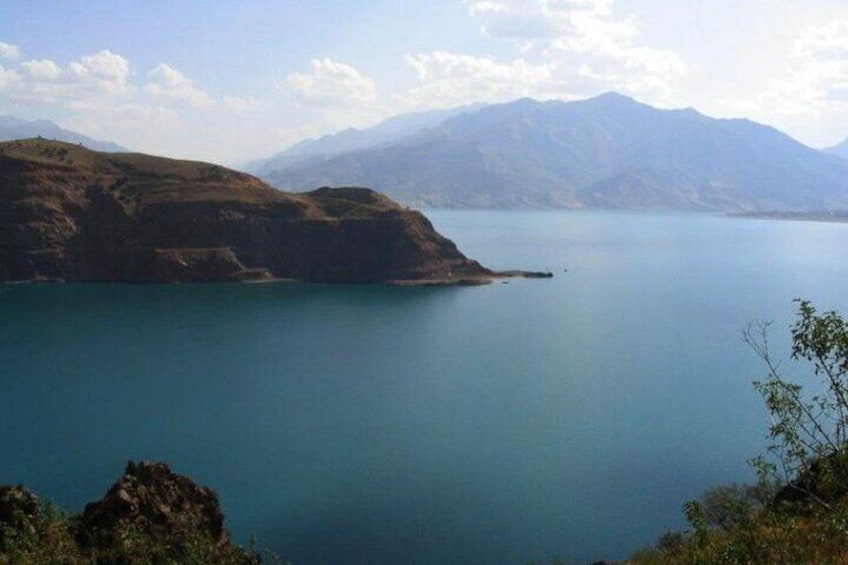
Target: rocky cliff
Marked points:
150	515
71	214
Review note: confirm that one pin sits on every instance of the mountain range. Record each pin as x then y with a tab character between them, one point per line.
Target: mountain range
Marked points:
840	149
16	128
606	152
353	139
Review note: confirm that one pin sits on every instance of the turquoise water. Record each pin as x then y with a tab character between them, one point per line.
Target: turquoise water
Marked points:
362	424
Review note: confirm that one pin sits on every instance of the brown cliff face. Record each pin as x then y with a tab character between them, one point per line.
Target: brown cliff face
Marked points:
67	213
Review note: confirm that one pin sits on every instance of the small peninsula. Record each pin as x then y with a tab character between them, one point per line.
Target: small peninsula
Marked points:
71	214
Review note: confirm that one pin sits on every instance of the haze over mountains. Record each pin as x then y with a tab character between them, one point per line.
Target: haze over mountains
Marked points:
15	128
606	152
353	139
840	149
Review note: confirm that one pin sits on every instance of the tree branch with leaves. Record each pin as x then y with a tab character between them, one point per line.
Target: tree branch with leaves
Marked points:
808	431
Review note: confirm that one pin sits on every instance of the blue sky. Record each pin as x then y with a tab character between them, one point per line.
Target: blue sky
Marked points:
230	81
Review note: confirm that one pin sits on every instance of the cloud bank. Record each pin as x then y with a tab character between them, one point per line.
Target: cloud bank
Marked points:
564	49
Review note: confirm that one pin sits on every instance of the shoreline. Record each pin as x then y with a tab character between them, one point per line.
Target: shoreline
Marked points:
829	216
464	280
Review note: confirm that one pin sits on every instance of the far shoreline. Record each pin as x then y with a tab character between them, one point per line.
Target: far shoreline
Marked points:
827	216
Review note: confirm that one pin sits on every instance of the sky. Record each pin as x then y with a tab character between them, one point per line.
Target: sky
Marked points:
230	81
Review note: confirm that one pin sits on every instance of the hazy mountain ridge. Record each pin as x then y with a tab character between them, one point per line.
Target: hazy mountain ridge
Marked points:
352	139
14	128
840	149
606	152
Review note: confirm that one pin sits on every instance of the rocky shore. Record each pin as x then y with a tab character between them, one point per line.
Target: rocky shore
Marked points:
71	214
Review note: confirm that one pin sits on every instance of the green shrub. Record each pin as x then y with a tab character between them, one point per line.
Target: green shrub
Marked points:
806	520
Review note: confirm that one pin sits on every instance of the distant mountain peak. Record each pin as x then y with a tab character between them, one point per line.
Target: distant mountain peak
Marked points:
613	95
16	128
353	139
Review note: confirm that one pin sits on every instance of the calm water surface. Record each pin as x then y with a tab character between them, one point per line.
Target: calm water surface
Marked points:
352	424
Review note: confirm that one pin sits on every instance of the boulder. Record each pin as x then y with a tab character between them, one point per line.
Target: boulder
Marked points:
152	501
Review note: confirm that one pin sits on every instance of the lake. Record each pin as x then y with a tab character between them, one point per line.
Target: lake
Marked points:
567	417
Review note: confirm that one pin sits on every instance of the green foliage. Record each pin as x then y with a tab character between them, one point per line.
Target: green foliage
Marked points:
189	547
694	513
671	542
809	432
48	539
36	540
773	537
805	521
728	506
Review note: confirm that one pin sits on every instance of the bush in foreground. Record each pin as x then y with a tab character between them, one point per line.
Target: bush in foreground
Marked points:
151	516
798	513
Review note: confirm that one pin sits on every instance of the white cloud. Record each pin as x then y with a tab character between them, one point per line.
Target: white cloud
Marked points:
512	20
42	70
547	19
329	83
95	81
168	82
161	111
102	73
9	51
8	79
822	42
585	31
575	35
238	105
449	79
485	6
103	65
815	81
811	94
85	82
818	72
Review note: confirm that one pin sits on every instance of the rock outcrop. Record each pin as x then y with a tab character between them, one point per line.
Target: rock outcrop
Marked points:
156	502
70	214
150	515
